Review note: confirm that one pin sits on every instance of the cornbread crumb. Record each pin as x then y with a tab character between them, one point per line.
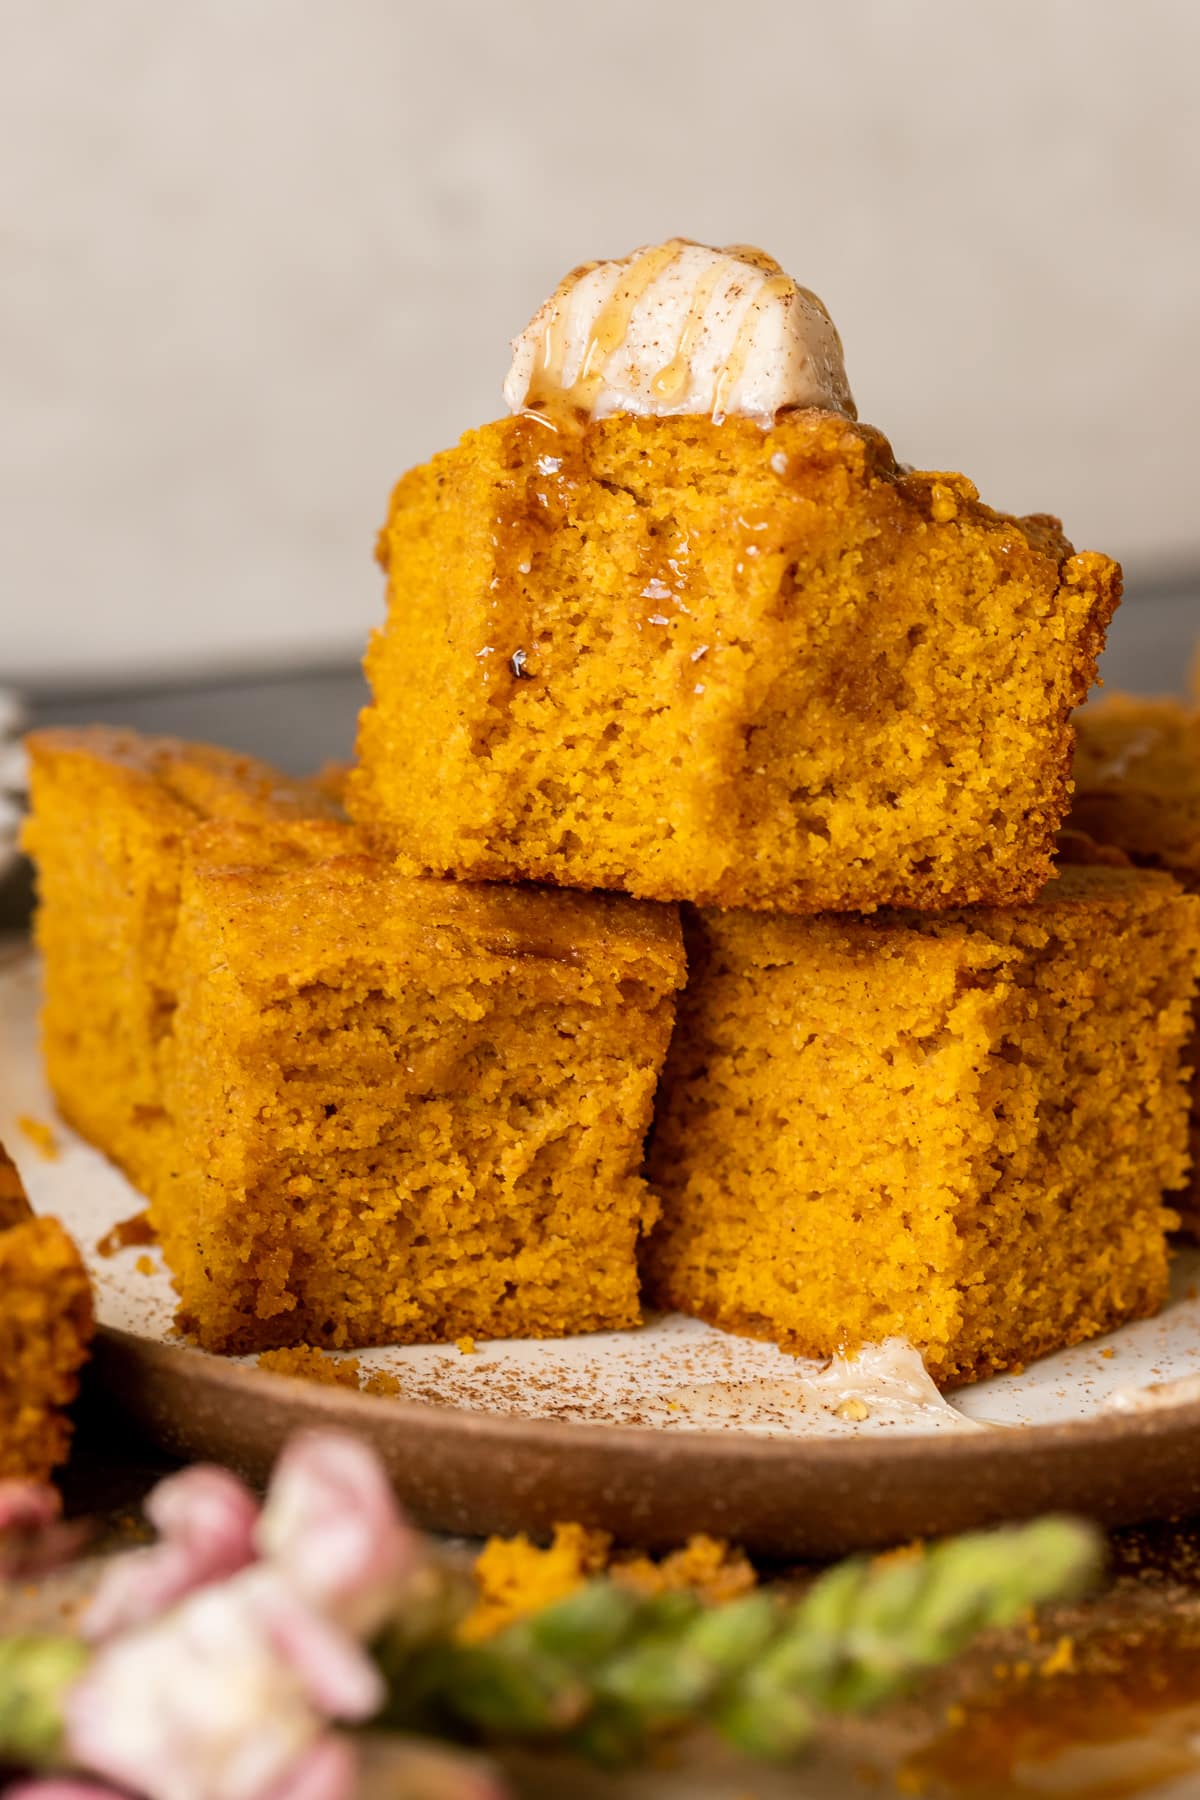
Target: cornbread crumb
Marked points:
467	1345
953	1128
1061	1660
706	1566
145	1265
305	1362
46	1327
516	1578
710	662
41	1136
381	1382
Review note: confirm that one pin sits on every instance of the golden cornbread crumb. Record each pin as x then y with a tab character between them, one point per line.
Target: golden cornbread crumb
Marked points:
365	1108
710	662
1137	790
40	1135
304	1362
387	1386
45	1330
706	1566
516	1577
466	1345
14	1202
1061	1660
955	1128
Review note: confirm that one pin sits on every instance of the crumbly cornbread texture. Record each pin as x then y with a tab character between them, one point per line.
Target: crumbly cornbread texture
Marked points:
45	1330
1137	786
711	662
956	1129
386	1109
111	812
517	1578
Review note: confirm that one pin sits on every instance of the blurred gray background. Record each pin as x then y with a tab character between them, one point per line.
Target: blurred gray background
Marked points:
260	256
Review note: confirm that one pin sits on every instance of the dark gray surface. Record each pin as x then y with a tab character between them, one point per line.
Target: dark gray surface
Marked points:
299	721
307	718
1153	638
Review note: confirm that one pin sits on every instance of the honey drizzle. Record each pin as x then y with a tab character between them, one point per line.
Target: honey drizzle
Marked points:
758	259
776	287
607	334
671	379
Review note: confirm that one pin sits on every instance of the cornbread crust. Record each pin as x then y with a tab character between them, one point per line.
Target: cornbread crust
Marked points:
111	810
768	669
1137	787
383	1109
954	1129
45	1329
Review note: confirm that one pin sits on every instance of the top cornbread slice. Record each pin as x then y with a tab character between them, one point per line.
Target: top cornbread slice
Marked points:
753	668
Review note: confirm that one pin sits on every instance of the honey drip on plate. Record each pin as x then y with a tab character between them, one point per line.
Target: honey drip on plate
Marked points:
606	335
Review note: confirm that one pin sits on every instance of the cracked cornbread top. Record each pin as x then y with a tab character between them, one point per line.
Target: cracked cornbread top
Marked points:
680	328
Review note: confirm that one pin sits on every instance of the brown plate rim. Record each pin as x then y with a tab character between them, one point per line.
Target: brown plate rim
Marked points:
1110	1429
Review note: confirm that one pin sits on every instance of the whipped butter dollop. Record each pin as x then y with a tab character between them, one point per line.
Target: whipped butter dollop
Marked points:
680	328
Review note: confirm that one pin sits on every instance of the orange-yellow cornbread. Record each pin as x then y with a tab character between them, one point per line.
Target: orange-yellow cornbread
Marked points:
111	813
955	1129
386	1109
712	662
1137	785
1137	779
45	1330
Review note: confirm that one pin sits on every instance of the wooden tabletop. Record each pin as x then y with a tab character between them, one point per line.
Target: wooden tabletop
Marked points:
1097	1700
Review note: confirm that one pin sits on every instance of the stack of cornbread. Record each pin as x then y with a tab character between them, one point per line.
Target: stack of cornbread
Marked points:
677	632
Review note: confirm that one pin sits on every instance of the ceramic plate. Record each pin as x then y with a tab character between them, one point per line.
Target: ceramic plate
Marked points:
654	1433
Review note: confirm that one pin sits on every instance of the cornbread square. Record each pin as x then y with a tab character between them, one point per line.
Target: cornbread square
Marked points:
45	1330
406	1110
952	1129
111	811
1137	780
377	1108
1137	786
743	667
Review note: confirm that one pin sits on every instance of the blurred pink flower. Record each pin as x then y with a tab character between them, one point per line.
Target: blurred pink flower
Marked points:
332	1528
61	1787
327	1771
27	1505
205	1517
222	1697
32	1538
229	1647
336	1674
